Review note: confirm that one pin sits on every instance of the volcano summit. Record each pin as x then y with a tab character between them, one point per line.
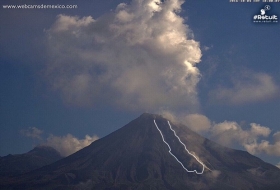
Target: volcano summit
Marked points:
137	157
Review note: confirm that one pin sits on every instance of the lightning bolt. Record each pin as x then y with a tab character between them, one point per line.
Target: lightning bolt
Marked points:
197	159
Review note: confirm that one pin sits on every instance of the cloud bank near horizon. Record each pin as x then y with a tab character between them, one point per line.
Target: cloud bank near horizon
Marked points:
65	145
140	56
68	144
230	133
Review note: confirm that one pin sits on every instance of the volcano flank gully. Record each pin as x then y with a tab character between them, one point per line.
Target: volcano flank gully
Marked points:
137	157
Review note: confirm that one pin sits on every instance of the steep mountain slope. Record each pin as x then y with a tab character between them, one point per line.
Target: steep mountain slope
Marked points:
136	157
22	163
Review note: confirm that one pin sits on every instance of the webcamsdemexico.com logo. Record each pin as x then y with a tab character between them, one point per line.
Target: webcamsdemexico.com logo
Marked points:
264	17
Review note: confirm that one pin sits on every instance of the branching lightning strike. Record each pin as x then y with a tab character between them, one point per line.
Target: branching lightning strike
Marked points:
194	171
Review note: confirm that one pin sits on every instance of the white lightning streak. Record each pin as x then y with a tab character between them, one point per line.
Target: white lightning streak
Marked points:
185	149
197	159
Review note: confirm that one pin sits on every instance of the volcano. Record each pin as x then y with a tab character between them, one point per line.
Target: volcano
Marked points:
151	153
21	163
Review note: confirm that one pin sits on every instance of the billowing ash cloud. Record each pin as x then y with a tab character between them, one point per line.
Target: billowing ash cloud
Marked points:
140	56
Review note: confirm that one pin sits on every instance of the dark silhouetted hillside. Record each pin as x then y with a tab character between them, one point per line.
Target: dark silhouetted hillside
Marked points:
135	157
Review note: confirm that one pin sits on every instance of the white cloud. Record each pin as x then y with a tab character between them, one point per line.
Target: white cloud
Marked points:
228	132
65	145
206	48
170	116
258	130
270	149
247	87
278	165
69	144
32	132
276	136
195	122
139	56
266	147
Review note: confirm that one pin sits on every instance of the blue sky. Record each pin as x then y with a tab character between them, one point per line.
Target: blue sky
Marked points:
54	84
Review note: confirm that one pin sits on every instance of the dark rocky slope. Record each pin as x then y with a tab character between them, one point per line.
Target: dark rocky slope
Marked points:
135	157
21	163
